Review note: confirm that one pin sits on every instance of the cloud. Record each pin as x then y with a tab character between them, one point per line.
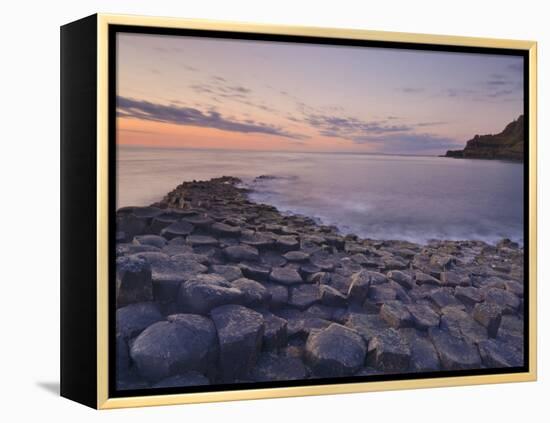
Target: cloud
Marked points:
350	127
410	143
411	90
180	115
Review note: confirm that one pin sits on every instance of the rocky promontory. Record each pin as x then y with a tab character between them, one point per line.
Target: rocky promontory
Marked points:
213	288
507	145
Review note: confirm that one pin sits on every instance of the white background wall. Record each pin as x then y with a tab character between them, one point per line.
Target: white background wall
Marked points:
29	234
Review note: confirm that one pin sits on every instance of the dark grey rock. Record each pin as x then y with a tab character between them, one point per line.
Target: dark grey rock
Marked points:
202	240
388	351
287	243
366	325
177	229
190	378
332	297
254	271
508	301
285	276
241	252
279	295
275	332
460	324
382	293
424	356
133	281
490	316
272	367
296	256
422	278
255	295
225	230
454	353
304	295
469	295
183	343
335	351
496	354
134	318
396	314
444	298
402	278
230	273
423	316
154	240
359	287
240	332
205	292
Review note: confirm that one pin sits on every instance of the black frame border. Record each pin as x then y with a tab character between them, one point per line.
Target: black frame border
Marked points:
113	30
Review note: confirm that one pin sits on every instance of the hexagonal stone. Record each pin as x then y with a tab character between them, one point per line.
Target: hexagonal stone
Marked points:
454	353
230	273
204	292
422	278
177	229
396	314
468	295
225	230
388	351
275	331
154	240
424	357
402	278
258	240
304	295
255	271
134	318
443	298
202	240
161	222
382	293
184	343
332	297
359	287
272	367
133	281
285	276
241	253
496	354
335	351
240	332
255	294
506	300
460	324
514	287
453	279
296	256
190	378
199	221
287	243
366	325
490	316
423	316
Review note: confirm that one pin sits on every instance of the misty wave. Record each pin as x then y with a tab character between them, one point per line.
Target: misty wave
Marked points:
377	197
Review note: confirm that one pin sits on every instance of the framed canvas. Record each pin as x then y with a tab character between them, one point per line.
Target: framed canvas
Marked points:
255	211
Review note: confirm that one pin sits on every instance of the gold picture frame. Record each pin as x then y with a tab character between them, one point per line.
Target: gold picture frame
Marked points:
101	265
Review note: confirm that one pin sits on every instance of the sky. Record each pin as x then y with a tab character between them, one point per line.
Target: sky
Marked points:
195	92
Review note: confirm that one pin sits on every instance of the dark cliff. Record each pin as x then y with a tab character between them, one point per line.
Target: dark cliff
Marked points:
507	145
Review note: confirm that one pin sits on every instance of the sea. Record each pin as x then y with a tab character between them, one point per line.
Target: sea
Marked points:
413	198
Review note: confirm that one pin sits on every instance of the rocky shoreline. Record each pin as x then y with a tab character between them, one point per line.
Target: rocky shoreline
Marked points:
212	288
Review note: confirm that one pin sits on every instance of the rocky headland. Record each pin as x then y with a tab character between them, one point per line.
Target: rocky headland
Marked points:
212	288
506	145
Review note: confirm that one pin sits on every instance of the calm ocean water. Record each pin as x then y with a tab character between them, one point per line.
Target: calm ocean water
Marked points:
379	197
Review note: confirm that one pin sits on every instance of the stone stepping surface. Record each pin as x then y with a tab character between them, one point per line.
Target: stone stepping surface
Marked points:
212	288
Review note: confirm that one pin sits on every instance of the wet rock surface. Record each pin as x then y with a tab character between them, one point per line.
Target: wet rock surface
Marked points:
212	288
